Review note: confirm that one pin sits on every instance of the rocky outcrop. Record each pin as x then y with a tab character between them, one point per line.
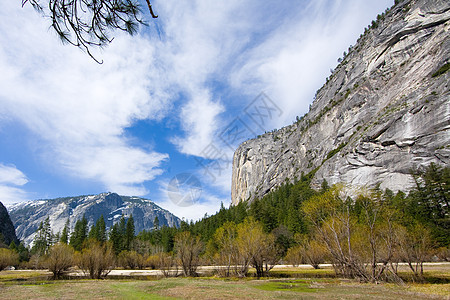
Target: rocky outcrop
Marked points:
384	111
7	232
28	215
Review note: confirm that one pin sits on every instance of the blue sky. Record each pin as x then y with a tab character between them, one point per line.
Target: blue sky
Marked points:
164	102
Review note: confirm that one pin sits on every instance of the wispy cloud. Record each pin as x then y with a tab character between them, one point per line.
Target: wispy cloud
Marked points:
209	61
294	59
284	49
79	109
199	119
11	181
200	41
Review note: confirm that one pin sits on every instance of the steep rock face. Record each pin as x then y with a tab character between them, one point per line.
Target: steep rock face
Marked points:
6	227
380	114
28	215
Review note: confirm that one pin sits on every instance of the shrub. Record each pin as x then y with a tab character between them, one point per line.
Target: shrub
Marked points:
60	258
168	264
8	258
188	249
441	70
97	260
152	262
131	259
294	256
314	253
36	262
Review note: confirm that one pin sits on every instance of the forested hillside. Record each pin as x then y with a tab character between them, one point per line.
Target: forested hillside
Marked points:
296	224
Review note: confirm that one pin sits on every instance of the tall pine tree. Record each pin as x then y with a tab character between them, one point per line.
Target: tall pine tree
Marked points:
117	235
64	238
101	229
43	239
129	234
79	234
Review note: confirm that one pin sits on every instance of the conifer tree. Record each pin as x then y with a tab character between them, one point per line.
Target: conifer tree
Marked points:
64	238
117	235
114	238
156	223
43	239
79	234
101	229
13	246
93	232
87	24
24	253
129	234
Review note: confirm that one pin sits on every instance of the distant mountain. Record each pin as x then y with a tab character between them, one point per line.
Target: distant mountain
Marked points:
7	231
27	216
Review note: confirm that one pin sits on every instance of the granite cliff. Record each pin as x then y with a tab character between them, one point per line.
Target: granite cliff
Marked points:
383	112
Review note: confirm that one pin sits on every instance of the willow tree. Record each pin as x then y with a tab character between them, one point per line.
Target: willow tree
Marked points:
256	248
88	23
97	260
188	248
225	239
60	259
361	236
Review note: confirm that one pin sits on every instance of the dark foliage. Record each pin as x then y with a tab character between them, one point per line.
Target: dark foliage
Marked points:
7	231
87	23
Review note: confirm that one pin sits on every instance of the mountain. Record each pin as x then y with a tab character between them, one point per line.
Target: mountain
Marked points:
27	216
8	234
383	112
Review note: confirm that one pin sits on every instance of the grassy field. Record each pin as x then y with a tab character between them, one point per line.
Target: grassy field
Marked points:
301	284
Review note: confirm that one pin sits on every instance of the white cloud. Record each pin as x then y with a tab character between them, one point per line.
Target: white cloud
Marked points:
295	58
79	109
199	119
279	48
200	41
121	168
11	179
11	175
206	203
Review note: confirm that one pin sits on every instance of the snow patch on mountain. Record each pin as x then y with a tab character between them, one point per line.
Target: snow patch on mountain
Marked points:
27	216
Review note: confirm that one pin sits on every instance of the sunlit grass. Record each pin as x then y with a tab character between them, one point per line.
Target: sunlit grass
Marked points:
10	275
432	289
135	291
290	285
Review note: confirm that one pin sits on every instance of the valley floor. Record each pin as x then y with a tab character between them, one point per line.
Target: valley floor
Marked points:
303	283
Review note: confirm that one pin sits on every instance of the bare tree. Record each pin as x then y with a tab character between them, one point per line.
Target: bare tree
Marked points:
267	257
256	248
294	255
314	253
225	238
188	249
168	264
415	248
360	236
97	260
131	259
86	23
60	258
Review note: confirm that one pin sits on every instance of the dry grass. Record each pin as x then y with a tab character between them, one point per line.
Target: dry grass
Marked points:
34	285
